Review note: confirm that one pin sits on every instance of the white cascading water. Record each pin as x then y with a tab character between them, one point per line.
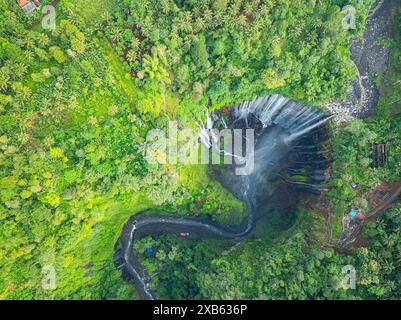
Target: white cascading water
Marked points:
301	133
270	110
282	122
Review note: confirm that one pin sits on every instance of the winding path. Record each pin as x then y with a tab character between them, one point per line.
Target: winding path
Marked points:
375	8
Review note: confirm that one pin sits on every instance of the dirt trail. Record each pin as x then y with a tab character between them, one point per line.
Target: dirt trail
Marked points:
375	8
391	197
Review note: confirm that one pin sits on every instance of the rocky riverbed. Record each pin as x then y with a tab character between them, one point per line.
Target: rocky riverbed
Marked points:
370	56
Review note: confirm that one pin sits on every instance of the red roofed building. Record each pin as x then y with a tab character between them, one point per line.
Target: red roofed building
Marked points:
28	5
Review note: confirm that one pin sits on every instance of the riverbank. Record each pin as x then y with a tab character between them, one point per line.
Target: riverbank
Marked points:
370	56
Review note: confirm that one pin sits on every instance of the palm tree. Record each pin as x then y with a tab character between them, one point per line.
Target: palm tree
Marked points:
4	79
147	26
46	102
165	6
131	56
135	44
58	96
184	22
258	25
22	93
73	103
208	16
241	21
23	137
30	43
43	39
115	34
297	30
199	24
55	32
106	16
29	55
154	68
19	70
250	8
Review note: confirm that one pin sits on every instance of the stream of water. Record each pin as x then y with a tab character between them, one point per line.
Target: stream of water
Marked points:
281	126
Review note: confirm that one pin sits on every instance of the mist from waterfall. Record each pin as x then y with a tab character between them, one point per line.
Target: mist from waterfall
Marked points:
279	123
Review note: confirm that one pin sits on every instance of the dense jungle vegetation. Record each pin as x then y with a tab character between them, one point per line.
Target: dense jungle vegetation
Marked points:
77	102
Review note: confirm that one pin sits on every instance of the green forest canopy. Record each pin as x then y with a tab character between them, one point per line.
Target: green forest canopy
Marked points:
77	102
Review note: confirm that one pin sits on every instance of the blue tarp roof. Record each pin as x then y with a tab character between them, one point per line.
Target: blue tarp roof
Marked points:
353	213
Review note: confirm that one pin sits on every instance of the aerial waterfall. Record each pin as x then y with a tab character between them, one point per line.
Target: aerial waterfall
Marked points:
270	110
279	123
283	147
